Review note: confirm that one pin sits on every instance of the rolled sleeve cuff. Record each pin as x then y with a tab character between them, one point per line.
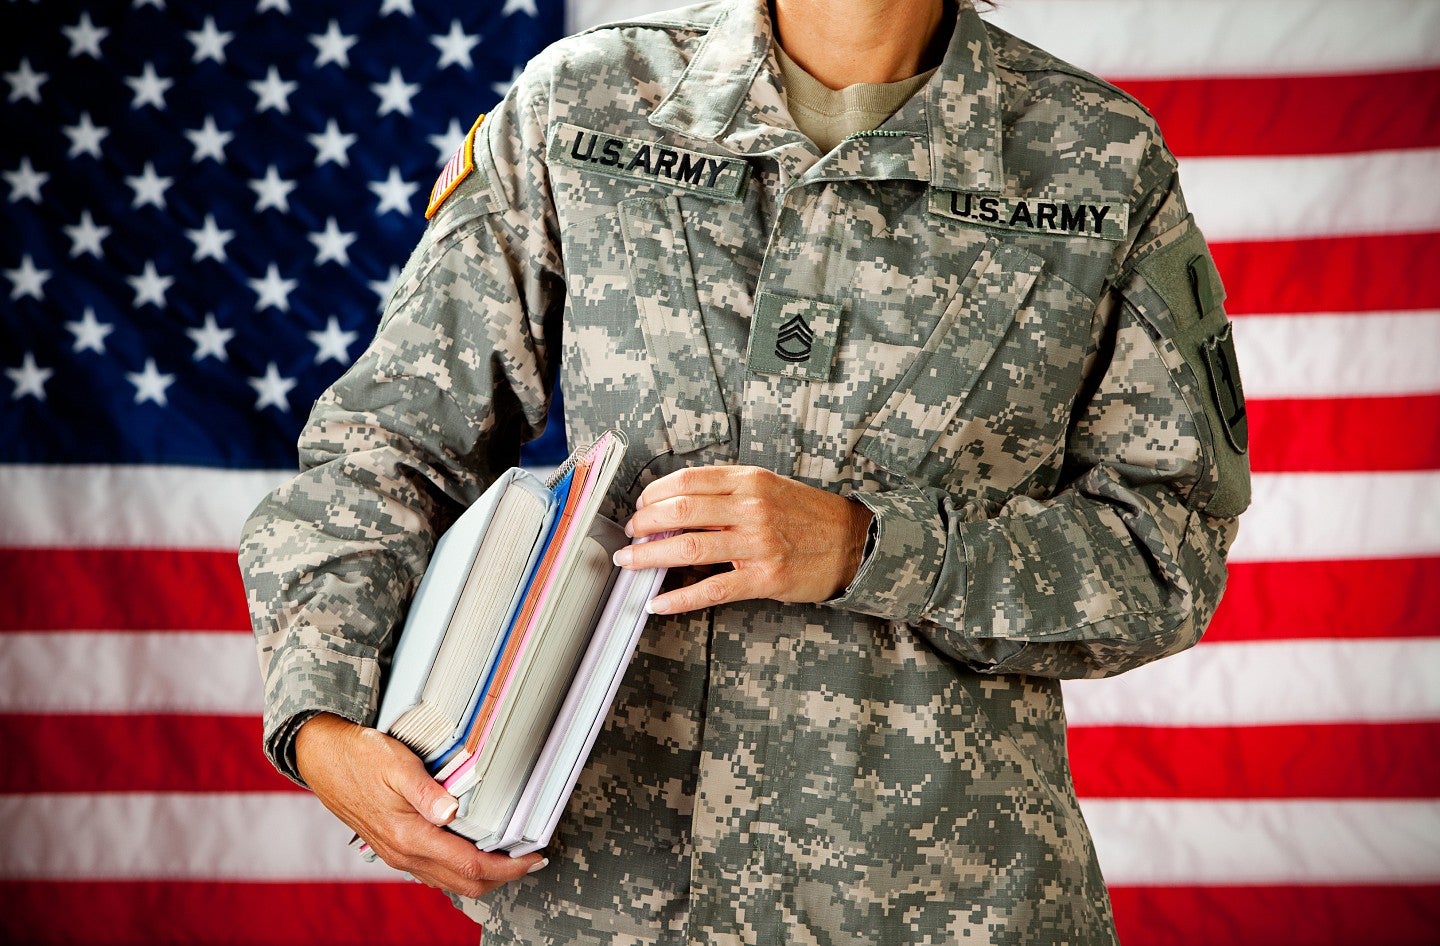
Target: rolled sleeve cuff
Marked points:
305	682
897	577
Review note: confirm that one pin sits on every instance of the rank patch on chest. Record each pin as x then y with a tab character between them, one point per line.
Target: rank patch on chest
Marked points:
793	337
1051	216
461	163
598	152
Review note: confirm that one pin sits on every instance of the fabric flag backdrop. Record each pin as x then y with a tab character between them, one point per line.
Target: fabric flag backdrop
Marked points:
204	206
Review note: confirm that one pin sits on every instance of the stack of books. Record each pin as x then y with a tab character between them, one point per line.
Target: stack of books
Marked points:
514	647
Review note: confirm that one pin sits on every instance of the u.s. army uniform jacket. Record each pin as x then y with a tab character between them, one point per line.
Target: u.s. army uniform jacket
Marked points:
991	320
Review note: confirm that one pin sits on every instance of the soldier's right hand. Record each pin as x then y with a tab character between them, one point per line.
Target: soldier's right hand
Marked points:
378	787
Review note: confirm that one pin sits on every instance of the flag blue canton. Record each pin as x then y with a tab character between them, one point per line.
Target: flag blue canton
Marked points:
207	204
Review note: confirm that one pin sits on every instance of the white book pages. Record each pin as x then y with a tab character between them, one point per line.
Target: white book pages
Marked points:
583	713
471	582
538	683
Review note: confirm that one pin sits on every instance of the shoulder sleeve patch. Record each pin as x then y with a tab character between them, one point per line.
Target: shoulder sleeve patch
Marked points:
1184	277
461	163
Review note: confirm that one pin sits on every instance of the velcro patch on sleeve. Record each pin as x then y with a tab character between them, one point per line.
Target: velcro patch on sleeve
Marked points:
461	163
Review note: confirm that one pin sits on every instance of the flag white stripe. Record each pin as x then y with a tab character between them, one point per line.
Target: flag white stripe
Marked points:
128	506
289	837
1258	683
1278	198
129	672
1159	843
1179	38
1295	516
1339	355
1320	516
257	836
1138	39
1242	683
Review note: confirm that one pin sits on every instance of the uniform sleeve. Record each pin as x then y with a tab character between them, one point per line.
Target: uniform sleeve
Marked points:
457	376
1125	563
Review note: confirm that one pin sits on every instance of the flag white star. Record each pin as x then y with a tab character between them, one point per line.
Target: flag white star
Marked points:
500	88
332	145
89	332
332	46
210	339
28	280
406	7
149	187
209	42
149	88
150	384
333	343
283	6
29	379
85	236
332	245
271	191
455	46
25	83
448	141
394	192
272	290
381	287
273	92
25	182
209	141
209	240
522	6
85	37
272	390
85	137
395	93
150	287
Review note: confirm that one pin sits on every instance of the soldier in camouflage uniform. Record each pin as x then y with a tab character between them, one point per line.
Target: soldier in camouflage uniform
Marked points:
978	352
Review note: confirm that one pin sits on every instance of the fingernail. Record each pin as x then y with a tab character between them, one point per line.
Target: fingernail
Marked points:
639	503
624	557
539	865
630	528
444	809
655	606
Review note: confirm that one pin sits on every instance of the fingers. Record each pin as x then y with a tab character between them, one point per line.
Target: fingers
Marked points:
687	511
427	796
439	858
704	480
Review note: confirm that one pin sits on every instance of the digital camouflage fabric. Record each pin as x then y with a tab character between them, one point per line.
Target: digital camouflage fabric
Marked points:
983	320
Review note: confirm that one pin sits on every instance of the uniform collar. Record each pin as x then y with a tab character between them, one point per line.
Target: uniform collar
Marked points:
961	102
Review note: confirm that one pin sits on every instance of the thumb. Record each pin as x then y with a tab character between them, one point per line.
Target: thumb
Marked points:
424	794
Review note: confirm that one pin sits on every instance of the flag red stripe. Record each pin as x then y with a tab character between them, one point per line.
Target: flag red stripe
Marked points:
1351	760
1365	598
154	913
151	753
1284	115
1265	916
1383	273
188	590
1380	760
126	589
1333	435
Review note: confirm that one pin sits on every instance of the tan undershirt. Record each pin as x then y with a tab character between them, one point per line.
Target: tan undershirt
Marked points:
826	115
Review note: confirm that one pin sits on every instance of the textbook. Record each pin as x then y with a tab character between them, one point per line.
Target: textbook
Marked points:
514	647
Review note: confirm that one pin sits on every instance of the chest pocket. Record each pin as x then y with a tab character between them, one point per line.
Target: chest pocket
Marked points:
929	402
663	284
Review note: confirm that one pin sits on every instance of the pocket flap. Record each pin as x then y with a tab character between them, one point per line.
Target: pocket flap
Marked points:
675	337
943	373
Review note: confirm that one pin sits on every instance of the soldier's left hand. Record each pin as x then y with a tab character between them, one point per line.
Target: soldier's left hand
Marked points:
785	540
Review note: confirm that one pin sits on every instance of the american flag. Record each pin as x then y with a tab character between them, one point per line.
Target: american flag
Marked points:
205	205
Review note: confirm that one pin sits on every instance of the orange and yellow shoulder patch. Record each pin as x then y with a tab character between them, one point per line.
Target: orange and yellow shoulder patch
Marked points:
461	163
